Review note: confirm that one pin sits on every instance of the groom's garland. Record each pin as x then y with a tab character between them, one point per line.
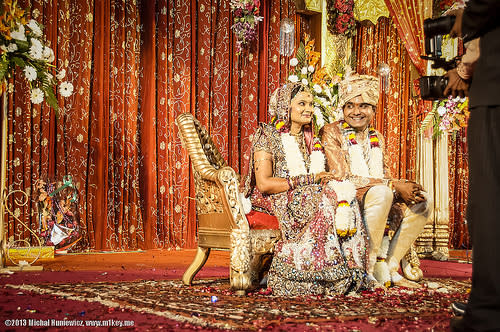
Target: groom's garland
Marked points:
375	169
375	166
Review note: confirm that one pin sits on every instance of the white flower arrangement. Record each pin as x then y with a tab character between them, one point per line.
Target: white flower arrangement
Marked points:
35	28
66	89
36	96
320	119
306	69
22	46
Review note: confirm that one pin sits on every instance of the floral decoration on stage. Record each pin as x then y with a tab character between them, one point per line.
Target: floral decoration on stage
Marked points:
307	69
341	17
246	18
23	46
442	6
450	115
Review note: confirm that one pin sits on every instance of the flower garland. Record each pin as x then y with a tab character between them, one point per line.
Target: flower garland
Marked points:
381	270
450	115
22	45
345	190
306	69
344	216
295	160
375	166
246	17
341	17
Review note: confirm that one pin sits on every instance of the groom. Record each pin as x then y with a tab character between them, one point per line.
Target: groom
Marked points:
355	151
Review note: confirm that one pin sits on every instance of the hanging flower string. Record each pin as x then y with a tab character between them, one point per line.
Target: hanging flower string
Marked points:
246	18
22	45
341	17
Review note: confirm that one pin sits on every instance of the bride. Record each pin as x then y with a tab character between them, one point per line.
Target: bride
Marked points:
324	245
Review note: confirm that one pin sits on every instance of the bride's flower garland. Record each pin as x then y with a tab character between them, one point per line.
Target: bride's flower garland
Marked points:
295	160
344	216
345	190
375	166
293	156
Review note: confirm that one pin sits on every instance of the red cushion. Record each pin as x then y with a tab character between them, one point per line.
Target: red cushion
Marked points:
261	220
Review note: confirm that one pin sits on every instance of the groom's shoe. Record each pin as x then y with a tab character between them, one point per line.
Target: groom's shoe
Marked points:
398	280
406	283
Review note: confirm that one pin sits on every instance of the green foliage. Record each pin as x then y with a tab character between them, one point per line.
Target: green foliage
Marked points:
18	61
301	55
4	66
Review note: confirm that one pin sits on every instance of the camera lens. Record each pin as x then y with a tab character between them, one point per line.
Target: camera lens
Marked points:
432	87
438	26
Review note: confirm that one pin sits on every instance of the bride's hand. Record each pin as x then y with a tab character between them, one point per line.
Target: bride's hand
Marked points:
324	177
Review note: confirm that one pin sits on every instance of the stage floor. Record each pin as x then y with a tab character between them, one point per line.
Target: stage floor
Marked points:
172	263
144	287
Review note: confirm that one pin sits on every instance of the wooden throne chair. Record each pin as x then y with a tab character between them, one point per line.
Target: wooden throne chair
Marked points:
222	224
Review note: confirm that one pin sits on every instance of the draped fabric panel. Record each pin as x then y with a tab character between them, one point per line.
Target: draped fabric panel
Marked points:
459	188
396	111
409	18
136	65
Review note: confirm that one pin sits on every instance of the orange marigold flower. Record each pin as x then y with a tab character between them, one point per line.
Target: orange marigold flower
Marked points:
319	76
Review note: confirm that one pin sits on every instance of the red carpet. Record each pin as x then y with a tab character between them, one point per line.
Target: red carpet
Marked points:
417	311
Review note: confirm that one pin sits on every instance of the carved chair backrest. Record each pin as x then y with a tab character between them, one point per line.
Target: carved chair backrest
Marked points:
208	168
205	156
209	148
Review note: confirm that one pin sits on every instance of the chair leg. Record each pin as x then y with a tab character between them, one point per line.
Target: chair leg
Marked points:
198	262
241	258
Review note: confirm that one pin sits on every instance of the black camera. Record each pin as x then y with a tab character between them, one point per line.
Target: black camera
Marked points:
432	87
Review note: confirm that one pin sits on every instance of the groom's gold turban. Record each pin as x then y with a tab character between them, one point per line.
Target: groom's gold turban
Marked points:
355	85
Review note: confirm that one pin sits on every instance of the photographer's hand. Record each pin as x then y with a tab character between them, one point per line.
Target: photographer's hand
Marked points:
456	31
456	85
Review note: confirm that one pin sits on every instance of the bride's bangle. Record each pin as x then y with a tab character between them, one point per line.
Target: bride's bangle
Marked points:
300	180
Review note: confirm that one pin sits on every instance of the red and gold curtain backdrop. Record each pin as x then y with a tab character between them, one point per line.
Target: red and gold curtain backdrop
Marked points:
135	66
408	16
459	188
396	110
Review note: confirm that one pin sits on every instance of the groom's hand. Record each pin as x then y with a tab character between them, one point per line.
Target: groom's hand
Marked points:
409	192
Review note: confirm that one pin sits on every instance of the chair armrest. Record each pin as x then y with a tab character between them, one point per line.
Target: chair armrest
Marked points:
227	180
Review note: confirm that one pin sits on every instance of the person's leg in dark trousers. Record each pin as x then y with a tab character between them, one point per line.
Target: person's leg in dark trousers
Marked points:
483	216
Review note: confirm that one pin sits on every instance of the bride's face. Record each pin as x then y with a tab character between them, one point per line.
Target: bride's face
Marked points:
301	108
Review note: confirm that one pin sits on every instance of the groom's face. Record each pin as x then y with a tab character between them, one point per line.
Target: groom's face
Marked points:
358	114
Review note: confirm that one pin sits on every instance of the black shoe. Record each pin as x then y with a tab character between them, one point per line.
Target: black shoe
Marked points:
458	308
457	324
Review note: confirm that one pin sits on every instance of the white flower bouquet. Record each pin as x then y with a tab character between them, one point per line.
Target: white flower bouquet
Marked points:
22	46
306	69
